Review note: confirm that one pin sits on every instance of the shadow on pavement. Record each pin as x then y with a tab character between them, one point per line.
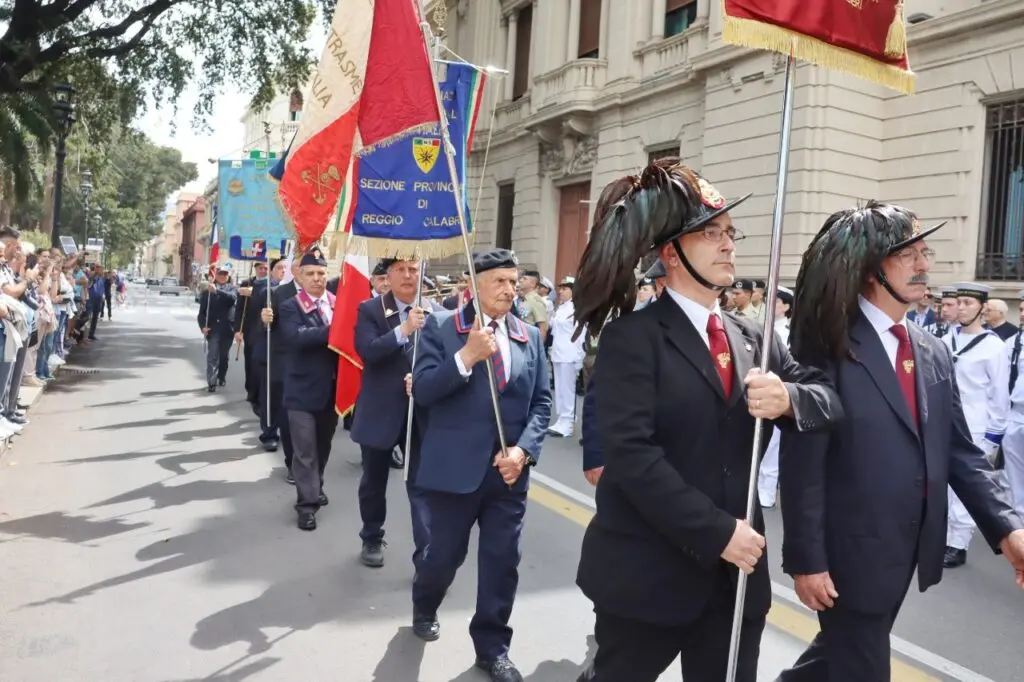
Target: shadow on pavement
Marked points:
61	526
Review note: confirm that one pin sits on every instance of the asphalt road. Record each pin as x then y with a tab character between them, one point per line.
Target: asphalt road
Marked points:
144	536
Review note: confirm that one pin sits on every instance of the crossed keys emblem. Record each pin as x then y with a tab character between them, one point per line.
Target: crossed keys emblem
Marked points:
723	360
908	366
322	180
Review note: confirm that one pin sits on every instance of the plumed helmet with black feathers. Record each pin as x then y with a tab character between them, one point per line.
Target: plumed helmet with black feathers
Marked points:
634	216
845	255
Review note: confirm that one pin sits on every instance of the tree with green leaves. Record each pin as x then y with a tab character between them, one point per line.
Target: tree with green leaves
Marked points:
118	54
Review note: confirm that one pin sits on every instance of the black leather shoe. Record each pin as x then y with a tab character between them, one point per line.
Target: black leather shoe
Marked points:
270	446
426	627
211	389
222	383
397	459
307	521
954	557
372	554
500	670
322	500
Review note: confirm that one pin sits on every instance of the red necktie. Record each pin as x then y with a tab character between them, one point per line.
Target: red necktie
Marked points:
720	354
905	368
499	364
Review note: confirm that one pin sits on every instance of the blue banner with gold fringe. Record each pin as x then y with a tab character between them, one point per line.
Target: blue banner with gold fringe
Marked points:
251	219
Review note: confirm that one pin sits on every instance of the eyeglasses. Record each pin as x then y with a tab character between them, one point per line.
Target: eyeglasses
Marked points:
910	256
715	233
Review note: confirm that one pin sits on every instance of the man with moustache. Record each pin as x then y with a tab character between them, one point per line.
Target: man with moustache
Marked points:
469	475
661	556
865	506
309	384
384	333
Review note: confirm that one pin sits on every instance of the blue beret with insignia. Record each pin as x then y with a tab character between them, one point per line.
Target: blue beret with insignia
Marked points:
313	257
493	259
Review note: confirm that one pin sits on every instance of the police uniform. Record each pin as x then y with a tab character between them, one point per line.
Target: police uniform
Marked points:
310	381
216	312
458	469
768	474
982	375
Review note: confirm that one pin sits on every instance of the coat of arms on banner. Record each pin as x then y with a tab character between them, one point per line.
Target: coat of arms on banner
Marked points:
426	150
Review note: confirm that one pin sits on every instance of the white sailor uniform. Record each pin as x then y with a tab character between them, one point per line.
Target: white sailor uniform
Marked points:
982	375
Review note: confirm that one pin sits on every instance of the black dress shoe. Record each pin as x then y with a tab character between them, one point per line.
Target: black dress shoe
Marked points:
211	389
322	500
270	446
289	479
307	521
500	670
372	554
954	557
426	627
222	383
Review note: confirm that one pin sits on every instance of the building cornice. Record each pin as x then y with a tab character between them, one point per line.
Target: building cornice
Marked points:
980	17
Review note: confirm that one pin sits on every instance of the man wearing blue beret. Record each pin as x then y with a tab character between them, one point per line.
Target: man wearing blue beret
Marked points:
469	477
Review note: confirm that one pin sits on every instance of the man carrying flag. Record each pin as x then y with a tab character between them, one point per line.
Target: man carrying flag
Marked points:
309	383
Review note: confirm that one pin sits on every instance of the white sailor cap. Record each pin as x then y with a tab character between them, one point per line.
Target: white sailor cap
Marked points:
973	290
949	291
785	294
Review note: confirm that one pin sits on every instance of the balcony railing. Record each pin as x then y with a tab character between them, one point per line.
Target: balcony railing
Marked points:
669	55
577	82
509	114
1000	267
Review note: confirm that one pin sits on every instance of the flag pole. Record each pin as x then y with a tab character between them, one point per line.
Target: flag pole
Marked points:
460	210
412	368
266	132
768	337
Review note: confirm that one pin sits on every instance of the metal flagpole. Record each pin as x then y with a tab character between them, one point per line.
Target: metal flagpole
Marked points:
412	368
266	132
766	345
245	309
461	213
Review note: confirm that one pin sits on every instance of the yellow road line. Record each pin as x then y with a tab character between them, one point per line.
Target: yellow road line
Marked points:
781	616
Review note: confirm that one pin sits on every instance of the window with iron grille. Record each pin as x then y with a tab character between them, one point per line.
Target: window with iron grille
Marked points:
661	153
1001	251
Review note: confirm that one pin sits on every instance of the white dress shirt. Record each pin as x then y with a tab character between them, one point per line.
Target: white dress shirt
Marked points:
501	337
403	316
882	325
323	305
697	313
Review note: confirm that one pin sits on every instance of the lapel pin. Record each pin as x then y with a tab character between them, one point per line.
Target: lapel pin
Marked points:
747	346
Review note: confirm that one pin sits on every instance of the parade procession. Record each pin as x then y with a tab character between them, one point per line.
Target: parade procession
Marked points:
454	459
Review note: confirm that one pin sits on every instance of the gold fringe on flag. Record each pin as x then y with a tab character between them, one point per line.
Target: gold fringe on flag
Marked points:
896	38
758	35
429	249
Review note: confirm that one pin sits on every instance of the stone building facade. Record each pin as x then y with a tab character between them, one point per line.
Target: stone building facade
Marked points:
597	88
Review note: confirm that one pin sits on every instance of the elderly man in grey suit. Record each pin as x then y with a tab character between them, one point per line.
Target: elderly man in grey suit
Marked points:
865	505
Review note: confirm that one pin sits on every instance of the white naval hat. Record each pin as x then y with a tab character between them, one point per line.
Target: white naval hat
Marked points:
973	290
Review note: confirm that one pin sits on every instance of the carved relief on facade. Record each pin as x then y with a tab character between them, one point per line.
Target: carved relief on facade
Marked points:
584	155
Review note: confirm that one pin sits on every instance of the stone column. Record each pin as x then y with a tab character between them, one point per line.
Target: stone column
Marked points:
703	11
572	49
510	54
657	19
604	46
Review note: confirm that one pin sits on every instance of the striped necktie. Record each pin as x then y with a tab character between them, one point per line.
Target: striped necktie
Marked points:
499	364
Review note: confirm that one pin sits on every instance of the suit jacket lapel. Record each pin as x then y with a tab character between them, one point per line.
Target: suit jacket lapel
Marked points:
872	356
742	349
923	374
392	316
680	333
518	339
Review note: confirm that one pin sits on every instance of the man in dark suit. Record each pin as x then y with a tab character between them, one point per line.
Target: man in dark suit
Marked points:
470	478
383	335
279	357
866	505
660	557
247	327
216	313
273	426
309	384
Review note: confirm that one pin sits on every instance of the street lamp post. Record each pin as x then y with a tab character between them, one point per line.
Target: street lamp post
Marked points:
63	110
86	187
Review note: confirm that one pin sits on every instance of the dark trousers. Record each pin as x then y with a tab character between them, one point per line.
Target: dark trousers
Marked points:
252	376
373	501
17	374
499	514
312	433
95	310
218	346
106	300
277	426
631	651
850	647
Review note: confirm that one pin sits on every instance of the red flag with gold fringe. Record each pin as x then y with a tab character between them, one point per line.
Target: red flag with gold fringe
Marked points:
865	38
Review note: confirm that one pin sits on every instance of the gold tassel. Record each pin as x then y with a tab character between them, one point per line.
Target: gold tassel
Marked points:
896	38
